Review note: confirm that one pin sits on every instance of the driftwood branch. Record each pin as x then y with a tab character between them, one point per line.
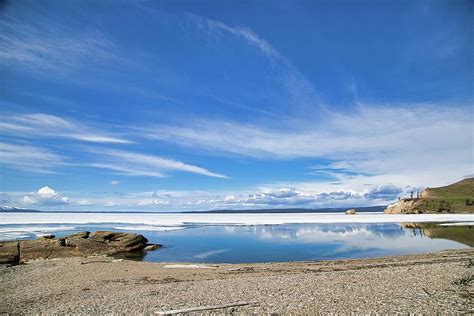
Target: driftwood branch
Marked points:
203	308
424	290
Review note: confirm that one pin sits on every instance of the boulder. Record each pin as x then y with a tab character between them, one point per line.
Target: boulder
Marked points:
75	245
9	252
120	241
352	211
151	247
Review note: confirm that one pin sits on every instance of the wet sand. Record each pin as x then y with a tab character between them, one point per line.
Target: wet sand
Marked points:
429	283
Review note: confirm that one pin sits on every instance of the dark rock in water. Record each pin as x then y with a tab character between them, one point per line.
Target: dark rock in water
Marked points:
61	241
46	236
151	247
9	252
75	245
352	211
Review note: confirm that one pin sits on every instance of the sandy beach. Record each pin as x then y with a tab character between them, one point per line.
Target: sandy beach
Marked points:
438	282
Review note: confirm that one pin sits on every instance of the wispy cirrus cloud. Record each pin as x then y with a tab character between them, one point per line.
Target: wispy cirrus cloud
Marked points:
215	28
137	164
362	130
39	159
40	125
29	158
364	141
35	43
301	93
369	140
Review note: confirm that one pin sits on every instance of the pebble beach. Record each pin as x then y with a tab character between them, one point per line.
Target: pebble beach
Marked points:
438	282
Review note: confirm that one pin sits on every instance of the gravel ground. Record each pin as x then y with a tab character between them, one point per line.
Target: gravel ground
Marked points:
432	283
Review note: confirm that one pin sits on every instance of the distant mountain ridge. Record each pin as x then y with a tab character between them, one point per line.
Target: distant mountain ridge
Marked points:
379	208
12	209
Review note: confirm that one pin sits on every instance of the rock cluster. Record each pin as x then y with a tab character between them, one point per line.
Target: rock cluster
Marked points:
76	245
405	206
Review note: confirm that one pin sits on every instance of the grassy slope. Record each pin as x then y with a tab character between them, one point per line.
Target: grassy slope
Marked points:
450	199
454	198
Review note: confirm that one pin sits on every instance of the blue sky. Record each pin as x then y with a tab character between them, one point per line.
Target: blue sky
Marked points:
179	105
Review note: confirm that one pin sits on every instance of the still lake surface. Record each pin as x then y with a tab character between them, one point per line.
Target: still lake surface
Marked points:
246	243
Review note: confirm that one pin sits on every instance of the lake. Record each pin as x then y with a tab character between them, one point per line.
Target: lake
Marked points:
245	238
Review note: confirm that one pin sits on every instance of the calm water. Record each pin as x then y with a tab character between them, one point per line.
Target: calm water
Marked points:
287	242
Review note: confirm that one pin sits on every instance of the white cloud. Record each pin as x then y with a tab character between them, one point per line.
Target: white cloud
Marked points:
285	197
45	196
229	198
110	204
136	164
37	125
134	202
84	203
29	158
386	192
257	198
413	144
114	182
310	195
152	202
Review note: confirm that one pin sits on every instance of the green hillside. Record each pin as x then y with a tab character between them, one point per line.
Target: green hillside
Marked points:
459	189
457	197
454	198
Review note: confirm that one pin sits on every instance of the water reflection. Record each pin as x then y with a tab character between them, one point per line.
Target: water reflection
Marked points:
458	233
314	232
302	242
289	242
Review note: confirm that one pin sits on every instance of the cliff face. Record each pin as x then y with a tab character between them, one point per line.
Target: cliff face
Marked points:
454	198
405	206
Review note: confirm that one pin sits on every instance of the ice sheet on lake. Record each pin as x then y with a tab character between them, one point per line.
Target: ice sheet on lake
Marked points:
179	220
458	224
19	232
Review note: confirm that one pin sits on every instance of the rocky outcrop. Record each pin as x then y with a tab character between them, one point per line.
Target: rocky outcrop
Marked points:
405	206
9	252
122	242
352	211
76	245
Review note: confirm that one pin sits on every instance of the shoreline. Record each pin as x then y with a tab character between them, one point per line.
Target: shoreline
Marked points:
426	283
